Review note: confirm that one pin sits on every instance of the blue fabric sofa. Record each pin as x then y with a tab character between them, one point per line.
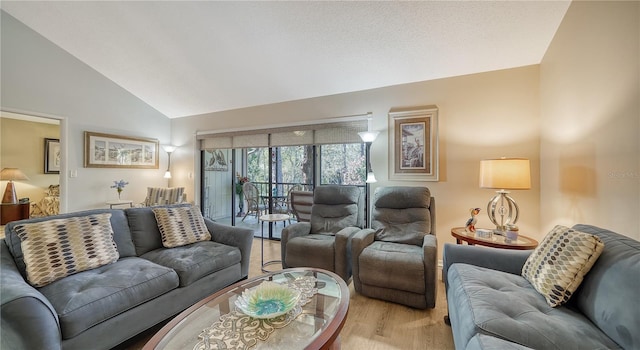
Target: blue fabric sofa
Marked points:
102	307
491	306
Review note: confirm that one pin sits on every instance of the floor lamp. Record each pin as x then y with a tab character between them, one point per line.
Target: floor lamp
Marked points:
368	137
169	149
11	174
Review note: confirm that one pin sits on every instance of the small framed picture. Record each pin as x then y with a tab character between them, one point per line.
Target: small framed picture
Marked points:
215	160
52	156
413	141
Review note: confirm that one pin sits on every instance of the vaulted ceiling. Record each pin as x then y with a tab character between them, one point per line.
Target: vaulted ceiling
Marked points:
195	57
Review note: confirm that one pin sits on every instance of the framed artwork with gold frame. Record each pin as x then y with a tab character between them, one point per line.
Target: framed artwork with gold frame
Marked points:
114	151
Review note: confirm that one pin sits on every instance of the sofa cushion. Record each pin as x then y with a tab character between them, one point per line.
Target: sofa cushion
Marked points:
386	264
181	226
119	225
194	261
557	266
401	214
407	226
57	248
323	246
336	207
90	297
606	291
487	342
144	229
506	306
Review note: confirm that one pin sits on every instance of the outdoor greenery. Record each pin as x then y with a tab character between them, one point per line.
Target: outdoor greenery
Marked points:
343	164
292	166
339	164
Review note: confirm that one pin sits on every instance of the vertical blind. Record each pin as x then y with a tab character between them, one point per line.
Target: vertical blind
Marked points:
311	134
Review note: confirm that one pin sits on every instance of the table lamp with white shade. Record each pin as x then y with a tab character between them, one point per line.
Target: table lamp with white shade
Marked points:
504	174
11	174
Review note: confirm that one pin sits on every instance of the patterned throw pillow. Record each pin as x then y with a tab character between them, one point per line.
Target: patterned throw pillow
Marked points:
163	196
57	248
557	266
181	226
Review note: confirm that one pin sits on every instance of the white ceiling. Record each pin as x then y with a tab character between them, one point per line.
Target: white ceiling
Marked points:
195	57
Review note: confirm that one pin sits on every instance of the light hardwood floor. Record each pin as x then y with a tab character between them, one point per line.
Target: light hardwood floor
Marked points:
371	324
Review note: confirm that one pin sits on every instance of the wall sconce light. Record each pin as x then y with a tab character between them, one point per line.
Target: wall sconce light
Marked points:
11	174
169	149
368	137
504	174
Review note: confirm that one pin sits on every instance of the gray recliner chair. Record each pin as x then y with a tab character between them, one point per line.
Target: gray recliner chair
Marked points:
396	259
337	214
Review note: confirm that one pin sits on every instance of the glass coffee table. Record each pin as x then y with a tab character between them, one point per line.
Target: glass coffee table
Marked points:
216	323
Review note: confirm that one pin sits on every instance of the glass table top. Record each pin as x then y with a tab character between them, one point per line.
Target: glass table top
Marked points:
318	322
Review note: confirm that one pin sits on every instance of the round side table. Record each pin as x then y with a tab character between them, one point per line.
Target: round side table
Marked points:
270	218
494	240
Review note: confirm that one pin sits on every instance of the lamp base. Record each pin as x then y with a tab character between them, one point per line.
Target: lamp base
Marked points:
508	214
10	194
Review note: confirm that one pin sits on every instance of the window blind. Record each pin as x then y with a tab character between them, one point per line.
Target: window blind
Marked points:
310	134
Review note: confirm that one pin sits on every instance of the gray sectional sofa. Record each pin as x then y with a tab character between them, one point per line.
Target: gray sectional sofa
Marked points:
491	306
102	307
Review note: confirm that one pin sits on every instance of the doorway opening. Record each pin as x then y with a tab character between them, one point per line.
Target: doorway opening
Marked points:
35	145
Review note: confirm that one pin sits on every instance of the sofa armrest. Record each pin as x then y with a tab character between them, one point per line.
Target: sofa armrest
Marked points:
242	238
505	260
27	318
343	252
430	261
294	230
359	241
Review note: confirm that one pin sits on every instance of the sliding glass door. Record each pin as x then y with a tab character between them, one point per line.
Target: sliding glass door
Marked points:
218	194
276	161
274	171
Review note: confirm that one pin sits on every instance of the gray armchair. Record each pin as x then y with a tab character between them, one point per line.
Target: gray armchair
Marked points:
337	214
396	259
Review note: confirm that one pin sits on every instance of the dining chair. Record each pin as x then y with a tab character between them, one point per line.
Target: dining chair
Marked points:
252	197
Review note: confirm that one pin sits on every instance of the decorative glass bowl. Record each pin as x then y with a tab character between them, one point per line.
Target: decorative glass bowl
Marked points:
268	300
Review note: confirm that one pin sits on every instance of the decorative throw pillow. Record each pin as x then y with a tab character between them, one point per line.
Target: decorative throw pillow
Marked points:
180	226
57	248
163	196
557	266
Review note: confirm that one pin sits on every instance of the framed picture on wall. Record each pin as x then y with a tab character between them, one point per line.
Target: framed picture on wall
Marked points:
215	160
113	151
52	156
413	144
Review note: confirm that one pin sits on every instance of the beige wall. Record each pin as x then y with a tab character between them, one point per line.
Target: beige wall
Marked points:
481	116
23	148
590	117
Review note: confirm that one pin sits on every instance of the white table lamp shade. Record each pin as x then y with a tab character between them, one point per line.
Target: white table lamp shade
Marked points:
505	173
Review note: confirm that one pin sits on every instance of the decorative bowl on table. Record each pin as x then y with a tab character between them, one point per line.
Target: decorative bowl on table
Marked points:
268	300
